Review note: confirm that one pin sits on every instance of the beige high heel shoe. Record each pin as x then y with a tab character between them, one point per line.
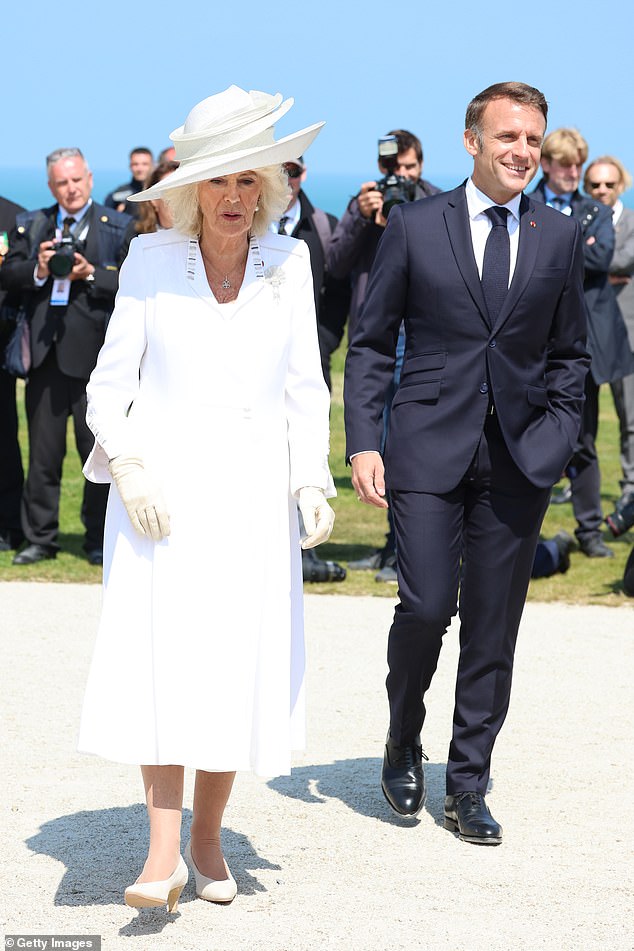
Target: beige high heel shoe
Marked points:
211	889
154	894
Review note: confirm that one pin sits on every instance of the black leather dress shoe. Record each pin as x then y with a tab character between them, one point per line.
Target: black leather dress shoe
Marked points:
9	540
595	547
402	777
34	553
561	496
468	814
95	556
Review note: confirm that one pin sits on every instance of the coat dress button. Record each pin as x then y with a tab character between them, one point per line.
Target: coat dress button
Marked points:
484	387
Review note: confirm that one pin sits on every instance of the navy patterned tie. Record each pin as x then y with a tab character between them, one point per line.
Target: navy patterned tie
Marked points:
497	262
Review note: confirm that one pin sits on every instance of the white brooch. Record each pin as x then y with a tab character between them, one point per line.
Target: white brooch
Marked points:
275	277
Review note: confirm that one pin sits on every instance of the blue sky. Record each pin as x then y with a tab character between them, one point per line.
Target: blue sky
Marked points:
108	76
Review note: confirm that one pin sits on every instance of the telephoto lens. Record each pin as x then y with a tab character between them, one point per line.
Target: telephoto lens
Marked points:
621	519
315	569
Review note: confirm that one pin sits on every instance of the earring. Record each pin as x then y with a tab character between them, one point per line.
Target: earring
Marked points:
257	207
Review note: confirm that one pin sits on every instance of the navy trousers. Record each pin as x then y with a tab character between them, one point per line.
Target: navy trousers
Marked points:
470	550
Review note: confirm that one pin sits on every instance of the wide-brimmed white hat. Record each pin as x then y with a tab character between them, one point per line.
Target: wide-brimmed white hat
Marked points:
228	133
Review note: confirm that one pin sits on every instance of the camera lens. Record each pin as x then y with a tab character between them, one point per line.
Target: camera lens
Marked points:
62	262
319	570
621	519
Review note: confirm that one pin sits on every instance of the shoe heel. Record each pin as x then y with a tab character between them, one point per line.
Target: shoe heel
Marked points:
450	824
172	898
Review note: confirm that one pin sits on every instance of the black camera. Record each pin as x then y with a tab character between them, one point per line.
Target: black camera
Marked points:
621	519
63	261
314	569
396	189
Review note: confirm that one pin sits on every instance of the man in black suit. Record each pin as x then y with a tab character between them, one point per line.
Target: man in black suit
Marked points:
332	295
563	157
486	416
69	297
11	471
332	300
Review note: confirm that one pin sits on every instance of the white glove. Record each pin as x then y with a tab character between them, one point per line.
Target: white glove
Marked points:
143	500
318	517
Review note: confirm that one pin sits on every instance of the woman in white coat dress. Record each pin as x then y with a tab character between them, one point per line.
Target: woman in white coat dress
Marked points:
210	417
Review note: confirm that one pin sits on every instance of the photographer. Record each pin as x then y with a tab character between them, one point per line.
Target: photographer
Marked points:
352	251
355	239
63	261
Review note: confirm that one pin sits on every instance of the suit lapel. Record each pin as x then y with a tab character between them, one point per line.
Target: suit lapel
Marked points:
529	238
457	223
92	250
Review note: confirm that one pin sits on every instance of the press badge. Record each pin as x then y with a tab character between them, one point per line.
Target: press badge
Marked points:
60	292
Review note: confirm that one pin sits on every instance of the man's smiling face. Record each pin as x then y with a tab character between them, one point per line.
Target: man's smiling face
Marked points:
507	151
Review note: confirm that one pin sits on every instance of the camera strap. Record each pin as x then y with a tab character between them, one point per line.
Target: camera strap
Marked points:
60	291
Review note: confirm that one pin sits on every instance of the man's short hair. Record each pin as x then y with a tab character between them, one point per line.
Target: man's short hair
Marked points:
141	149
518	92
54	157
625	179
566	146
407	140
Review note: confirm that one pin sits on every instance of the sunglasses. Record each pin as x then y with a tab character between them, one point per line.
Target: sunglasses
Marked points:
293	171
610	185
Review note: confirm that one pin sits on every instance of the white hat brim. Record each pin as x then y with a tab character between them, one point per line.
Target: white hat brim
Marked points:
287	149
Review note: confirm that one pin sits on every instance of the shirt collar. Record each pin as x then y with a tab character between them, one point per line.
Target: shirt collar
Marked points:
478	202
550	196
62	214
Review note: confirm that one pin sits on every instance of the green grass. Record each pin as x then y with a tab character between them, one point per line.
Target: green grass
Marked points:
359	528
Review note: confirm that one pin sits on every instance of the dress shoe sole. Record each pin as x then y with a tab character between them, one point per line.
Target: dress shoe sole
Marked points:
452	826
404	815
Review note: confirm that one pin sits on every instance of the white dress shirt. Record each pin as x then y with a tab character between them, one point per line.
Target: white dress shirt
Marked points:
480	224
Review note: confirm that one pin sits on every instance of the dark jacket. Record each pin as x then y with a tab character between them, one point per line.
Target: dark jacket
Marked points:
608	343
531	365
77	329
353	248
332	295
8	213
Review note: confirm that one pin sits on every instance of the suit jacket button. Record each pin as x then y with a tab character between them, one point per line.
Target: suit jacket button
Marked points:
493	343
484	387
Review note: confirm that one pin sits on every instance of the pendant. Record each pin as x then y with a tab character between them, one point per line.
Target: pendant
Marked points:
226	284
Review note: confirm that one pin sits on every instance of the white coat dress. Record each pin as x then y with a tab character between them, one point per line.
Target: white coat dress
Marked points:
199	658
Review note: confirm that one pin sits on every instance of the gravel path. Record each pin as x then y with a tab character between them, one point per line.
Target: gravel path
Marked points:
320	861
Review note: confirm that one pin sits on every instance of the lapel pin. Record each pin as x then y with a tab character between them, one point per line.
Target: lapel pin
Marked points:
532	224
104	218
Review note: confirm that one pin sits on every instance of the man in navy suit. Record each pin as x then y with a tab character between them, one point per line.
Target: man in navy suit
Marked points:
490	285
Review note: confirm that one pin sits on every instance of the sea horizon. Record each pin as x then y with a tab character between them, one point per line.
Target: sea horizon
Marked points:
330	191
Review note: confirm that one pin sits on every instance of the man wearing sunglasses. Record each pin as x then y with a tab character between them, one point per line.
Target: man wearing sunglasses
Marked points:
605	180
564	153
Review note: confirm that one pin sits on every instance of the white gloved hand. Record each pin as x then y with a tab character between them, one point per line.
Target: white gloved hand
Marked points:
142	500
318	516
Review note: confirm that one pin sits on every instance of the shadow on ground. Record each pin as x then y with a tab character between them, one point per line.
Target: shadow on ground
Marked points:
357	784
103	851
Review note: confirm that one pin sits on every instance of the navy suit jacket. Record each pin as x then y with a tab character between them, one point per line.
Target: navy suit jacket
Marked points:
531	365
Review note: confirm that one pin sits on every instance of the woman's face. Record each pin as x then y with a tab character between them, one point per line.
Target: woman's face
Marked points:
228	203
